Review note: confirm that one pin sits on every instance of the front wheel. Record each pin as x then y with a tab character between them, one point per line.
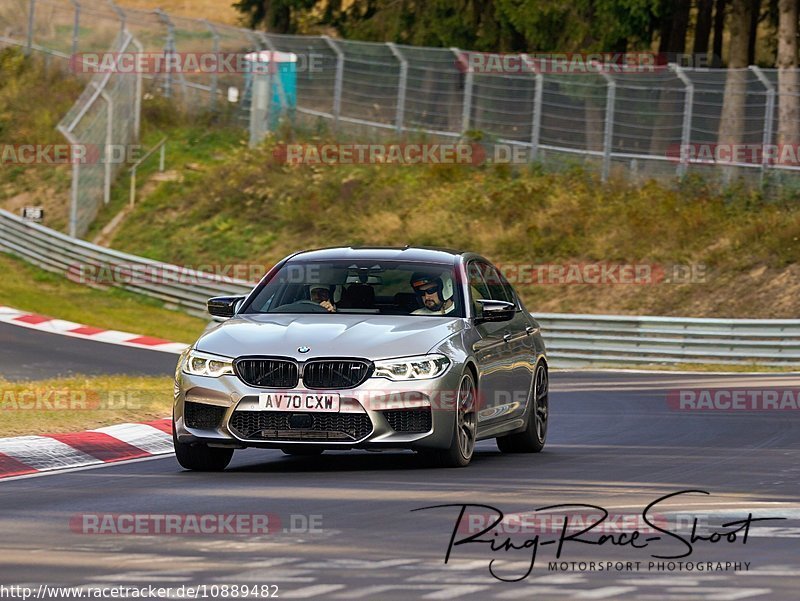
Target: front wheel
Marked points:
462	445
201	458
531	440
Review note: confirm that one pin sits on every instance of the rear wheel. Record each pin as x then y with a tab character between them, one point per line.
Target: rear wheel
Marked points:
532	439
459	454
201	458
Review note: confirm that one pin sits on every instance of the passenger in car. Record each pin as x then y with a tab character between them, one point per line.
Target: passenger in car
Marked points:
322	295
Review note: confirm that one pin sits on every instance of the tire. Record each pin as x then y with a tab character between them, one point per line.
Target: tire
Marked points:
462	445
532	439
201	458
302	451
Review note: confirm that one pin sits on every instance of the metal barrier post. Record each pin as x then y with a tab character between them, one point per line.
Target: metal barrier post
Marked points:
337	86
132	190
73	190
261	92
109	141
260	104
137	103
466	105
123	17
214	75
536	125
169	49
31	19
769	114
608	133
273	68
401	86
686	128
76	27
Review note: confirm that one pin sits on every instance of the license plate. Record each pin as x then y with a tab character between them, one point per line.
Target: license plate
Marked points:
299	401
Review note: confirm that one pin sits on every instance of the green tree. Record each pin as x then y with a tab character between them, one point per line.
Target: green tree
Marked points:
276	16
582	25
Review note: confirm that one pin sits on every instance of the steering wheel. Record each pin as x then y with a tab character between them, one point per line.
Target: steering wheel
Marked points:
303	303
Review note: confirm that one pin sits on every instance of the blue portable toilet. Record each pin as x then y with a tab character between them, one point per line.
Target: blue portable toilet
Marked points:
280	70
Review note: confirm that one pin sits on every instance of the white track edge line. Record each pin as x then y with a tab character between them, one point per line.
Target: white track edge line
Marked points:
84	467
163	346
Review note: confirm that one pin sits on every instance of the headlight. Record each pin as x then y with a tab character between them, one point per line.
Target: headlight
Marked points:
422	367
204	364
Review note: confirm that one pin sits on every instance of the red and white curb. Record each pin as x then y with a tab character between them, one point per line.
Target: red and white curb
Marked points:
77	330
24	455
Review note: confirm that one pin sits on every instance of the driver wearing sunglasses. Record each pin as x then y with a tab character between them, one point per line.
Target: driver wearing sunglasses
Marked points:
435	294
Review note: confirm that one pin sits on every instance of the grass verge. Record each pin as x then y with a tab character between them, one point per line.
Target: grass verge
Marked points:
23	122
721	254
32	289
81	403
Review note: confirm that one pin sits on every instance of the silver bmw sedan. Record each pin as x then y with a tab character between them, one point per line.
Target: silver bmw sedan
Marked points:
365	348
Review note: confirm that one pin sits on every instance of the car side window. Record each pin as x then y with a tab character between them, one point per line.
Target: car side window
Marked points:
477	285
509	289
495	283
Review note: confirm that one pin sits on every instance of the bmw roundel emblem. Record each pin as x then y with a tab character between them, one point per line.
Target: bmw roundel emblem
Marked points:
303	349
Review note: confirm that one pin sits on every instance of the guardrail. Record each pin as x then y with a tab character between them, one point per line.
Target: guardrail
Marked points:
572	340
580	340
81	261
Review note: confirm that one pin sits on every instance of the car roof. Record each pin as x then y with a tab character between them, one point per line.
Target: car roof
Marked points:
383	253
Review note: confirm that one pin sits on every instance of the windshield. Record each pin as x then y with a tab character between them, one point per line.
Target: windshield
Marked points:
362	287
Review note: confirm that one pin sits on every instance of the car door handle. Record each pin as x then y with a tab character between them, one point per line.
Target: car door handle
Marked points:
531	330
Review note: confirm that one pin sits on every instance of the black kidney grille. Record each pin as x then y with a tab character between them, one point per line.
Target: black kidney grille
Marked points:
278	425
333	374
267	373
409	420
202	416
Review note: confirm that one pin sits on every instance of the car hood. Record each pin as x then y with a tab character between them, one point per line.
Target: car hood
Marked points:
331	335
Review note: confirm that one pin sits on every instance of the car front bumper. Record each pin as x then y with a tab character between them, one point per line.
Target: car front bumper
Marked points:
376	398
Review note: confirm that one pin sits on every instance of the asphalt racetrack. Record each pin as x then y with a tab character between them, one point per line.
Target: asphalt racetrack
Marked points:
27	354
342	525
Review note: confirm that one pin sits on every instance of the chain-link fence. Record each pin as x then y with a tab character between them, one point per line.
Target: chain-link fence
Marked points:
103	123
663	122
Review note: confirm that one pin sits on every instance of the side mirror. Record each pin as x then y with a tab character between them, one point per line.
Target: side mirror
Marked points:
494	310
223	306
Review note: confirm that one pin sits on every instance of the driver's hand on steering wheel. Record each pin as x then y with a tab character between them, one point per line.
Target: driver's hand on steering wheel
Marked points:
329	306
